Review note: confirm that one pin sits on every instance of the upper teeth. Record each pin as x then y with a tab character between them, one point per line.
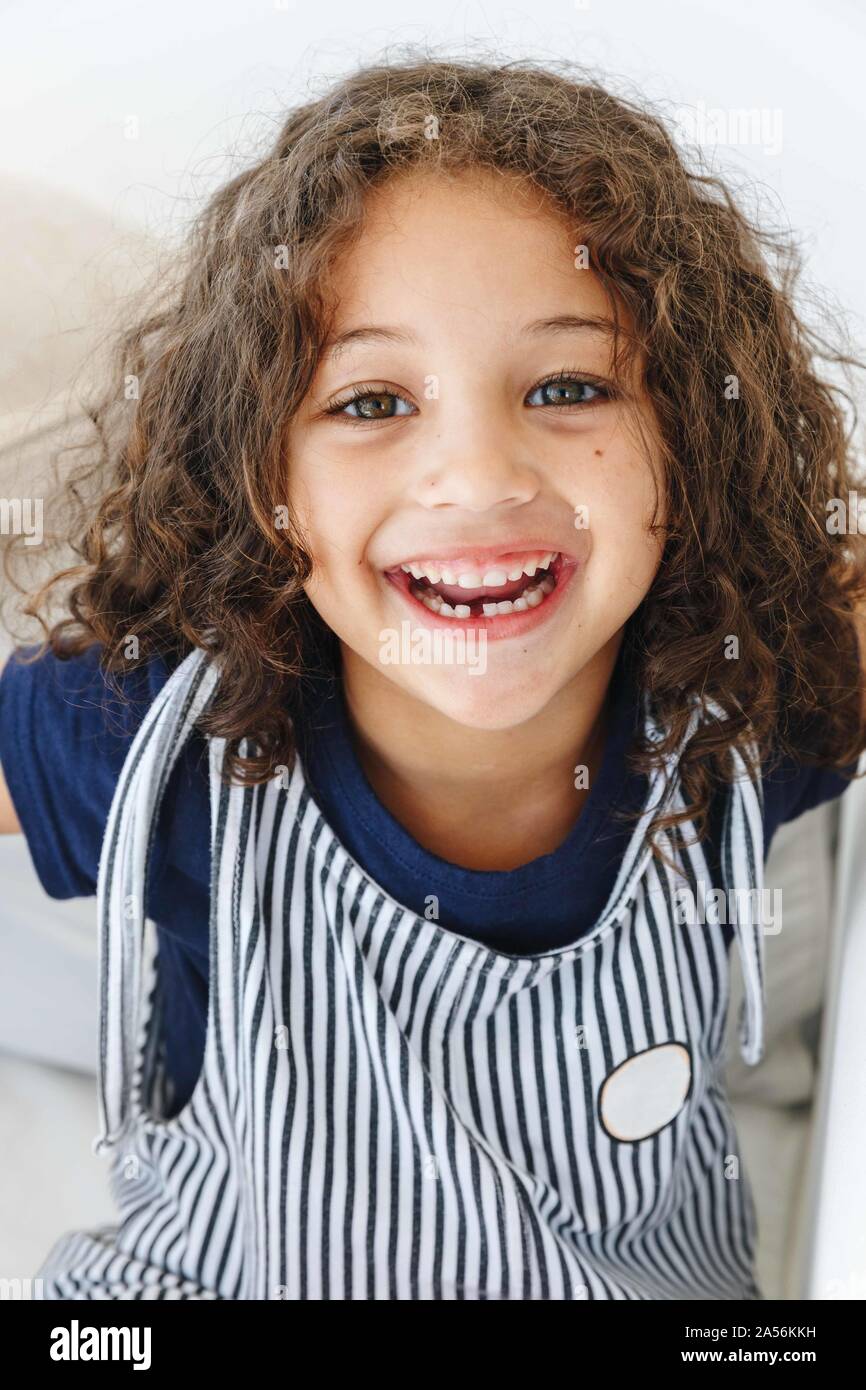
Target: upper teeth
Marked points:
477	579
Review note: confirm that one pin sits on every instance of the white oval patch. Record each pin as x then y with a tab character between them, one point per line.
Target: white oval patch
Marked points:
645	1092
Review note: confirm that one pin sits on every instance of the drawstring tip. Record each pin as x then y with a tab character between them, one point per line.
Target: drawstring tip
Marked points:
106	1143
751	1038
752	1054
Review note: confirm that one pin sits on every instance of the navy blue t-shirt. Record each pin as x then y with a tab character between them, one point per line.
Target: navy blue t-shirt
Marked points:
64	735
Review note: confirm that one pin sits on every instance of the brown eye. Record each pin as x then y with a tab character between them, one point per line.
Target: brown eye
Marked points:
371	405
567	391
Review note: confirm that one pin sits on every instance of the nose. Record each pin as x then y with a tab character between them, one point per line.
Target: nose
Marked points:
475	466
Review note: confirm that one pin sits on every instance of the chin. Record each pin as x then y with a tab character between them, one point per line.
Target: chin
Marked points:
485	702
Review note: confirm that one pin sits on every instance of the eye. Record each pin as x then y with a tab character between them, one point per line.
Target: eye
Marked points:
369	403
568	391
365	404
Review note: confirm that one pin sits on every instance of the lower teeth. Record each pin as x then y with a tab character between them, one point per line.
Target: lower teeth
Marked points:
530	598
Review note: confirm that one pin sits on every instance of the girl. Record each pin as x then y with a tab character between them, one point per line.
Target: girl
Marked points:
399	995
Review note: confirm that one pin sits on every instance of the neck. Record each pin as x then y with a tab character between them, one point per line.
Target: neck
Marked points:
480	798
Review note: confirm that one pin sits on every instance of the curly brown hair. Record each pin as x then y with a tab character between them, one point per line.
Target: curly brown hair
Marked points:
181	547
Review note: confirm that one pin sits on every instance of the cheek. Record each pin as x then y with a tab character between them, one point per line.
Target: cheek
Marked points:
617	509
337	521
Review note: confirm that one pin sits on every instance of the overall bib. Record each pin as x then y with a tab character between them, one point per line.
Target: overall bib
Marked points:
388	1110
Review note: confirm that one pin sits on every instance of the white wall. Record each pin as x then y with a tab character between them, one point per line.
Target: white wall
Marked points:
207	78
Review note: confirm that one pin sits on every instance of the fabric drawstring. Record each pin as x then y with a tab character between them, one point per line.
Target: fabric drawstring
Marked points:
121	886
742	864
742	861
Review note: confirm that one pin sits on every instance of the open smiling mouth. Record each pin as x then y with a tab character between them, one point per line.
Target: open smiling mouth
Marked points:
510	586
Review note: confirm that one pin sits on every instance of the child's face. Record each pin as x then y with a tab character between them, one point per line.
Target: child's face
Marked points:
459	463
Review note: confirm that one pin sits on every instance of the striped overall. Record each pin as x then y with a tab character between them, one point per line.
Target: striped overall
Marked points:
388	1110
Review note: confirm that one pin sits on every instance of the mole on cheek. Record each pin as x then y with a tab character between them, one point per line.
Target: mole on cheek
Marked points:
598	453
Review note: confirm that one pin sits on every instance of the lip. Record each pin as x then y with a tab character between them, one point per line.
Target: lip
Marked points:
503	625
478	555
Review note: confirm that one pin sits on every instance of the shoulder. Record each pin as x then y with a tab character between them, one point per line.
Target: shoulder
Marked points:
80	685
65	731
791	788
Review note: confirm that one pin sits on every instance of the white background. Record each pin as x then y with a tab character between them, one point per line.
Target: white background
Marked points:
207	80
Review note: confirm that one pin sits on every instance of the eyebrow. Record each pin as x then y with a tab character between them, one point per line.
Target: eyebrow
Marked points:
381	333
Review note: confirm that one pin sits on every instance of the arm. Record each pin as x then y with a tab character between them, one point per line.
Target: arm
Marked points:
64	736
9	823
861	637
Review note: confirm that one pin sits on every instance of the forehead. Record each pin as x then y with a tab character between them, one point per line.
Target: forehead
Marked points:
476	239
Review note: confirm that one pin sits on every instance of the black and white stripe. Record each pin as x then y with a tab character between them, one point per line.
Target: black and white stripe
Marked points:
388	1110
